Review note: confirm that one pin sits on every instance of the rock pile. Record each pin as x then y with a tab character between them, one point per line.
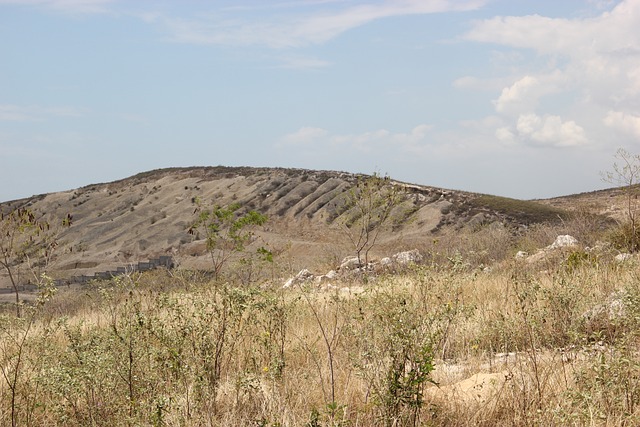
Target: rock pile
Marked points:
561	242
351	265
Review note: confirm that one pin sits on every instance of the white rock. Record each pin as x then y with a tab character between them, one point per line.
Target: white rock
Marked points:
304	274
325	278
289	283
623	257
563	241
350	263
521	255
407	257
386	261
301	277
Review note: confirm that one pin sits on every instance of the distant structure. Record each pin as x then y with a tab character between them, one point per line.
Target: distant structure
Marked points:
161	262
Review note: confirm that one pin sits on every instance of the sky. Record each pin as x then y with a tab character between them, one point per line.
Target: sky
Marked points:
518	98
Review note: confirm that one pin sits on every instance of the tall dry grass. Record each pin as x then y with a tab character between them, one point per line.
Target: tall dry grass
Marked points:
448	342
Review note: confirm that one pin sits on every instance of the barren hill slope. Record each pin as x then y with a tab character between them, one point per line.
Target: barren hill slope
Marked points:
611	202
148	215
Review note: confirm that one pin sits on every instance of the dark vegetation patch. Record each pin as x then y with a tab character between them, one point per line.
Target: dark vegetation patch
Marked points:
522	211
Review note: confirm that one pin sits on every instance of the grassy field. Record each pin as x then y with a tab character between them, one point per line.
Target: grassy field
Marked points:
468	337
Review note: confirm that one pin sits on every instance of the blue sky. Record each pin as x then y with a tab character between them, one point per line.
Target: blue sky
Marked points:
520	98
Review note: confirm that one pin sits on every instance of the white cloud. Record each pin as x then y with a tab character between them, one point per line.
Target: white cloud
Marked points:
70	6
525	93
363	138
303	136
13	113
17	113
602	4
634	80
545	35
591	65
517	94
417	135
411	141
606	33
312	137
547	130
302	63
505	134
303	29
482	125
628	123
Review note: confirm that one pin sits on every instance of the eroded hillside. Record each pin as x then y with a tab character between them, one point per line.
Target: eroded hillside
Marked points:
148	215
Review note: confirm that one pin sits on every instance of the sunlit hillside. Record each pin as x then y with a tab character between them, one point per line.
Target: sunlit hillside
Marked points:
500	322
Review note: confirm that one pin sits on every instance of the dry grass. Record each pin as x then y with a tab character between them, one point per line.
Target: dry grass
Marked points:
449	342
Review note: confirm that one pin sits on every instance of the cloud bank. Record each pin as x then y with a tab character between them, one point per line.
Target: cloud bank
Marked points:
586	69
302	28
321	139
548	130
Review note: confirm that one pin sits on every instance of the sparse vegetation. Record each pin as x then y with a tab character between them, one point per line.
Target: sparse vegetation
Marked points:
525	211
226	231
625	174
27	244
470	336
160	349
366	209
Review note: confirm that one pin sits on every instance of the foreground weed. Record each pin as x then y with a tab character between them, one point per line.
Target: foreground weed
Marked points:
22	344
394	355
329	316
607	382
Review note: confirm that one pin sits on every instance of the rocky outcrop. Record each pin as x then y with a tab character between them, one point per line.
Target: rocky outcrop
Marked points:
561	242
351	265
148	214
623	257
303	276
408	257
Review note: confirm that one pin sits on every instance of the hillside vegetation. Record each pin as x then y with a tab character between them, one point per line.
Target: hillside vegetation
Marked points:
142	217
446	342
469	334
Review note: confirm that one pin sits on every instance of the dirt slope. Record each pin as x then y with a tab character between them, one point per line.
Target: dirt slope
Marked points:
147	215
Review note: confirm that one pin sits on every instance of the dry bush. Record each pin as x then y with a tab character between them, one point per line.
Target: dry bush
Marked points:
588	228
476	248
557	347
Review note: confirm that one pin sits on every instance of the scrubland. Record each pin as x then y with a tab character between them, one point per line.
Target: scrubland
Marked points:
468	337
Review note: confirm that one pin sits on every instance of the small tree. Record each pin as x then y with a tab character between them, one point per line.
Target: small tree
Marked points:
368	207
626	175
27	242
226	231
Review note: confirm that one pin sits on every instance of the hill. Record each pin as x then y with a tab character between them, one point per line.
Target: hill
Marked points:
147	215
470	334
